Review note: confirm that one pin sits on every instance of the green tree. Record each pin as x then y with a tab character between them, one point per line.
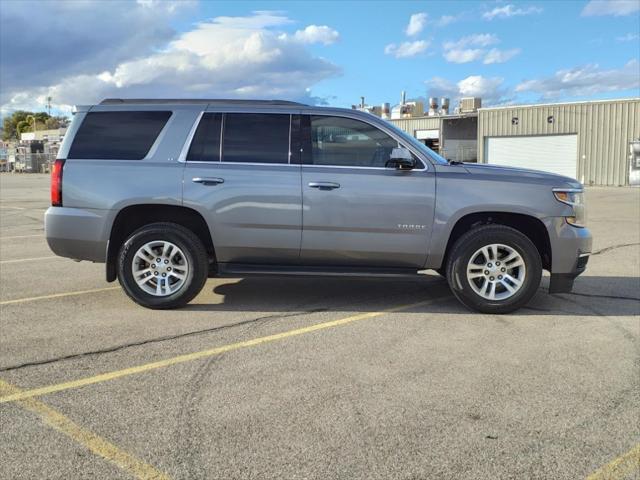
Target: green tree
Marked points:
23	126
22	121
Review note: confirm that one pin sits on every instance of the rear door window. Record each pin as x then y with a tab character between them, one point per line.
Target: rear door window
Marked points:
256	138
117	135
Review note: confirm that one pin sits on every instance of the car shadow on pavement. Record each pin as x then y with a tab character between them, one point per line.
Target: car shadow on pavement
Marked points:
592	296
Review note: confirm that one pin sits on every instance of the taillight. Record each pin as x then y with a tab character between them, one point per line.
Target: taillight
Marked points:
56	183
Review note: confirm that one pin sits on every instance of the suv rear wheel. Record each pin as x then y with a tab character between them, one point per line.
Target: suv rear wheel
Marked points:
494	269
162	266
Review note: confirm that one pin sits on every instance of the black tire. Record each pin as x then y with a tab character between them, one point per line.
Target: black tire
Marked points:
470	243
195	255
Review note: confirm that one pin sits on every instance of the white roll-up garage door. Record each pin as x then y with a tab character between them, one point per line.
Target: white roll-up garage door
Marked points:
549	153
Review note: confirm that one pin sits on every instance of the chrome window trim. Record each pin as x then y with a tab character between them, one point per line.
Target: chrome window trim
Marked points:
182	158
223	120
187	145
368	168
247	163
289	149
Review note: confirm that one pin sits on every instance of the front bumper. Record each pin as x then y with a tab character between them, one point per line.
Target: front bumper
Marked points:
563	282
570	251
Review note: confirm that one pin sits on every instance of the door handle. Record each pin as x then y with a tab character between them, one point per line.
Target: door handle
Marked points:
324	185
208	180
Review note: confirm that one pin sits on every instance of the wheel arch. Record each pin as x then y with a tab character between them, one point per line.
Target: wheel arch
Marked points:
133	217
530	226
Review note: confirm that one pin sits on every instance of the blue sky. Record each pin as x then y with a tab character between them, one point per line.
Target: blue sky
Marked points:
326	52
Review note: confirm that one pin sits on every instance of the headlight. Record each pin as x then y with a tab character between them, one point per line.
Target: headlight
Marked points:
575	198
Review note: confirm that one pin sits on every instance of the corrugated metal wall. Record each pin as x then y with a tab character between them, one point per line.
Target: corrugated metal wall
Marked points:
410	125
604	131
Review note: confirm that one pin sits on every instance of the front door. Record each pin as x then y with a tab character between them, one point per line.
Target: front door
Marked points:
238	176
357	210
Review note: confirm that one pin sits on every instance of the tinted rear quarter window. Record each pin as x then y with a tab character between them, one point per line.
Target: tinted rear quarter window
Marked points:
117	135
205	146
256	138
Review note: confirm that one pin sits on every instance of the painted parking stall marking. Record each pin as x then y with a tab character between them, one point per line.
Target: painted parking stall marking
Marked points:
104	377
89	440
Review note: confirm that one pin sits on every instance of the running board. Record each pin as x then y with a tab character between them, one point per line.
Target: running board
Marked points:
242	270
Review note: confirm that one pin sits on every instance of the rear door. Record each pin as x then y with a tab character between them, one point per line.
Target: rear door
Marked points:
356	210
238	175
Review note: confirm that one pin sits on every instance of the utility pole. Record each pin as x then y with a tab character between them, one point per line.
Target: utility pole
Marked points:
49	105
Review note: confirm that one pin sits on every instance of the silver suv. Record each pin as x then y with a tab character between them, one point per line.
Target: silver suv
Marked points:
169	192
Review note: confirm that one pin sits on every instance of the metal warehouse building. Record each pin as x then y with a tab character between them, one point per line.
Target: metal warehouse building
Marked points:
453	136
593	142
589	141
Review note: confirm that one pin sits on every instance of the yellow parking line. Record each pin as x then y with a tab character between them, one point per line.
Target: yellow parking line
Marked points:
57	295
29	259
86	438
203	354
621	467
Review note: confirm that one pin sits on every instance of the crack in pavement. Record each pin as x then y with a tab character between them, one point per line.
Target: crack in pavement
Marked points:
613	247
595	295
250	322
159	339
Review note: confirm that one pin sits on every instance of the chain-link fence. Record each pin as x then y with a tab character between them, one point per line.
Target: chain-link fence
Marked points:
32	162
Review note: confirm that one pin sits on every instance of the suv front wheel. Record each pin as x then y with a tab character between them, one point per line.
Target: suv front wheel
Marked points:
162	266
494	269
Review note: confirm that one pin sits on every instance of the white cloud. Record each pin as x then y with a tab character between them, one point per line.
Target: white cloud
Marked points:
629	37
475	40
441	87
466	50
463	55
585	81
406	49
479	86
617	8
417	22
500	56
489	89
445	20
228	57
102	36
510	11
317	34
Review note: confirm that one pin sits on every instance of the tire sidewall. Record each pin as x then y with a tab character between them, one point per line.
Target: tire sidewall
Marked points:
469	245
151	233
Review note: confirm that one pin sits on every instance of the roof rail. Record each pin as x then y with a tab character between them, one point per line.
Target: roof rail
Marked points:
216	101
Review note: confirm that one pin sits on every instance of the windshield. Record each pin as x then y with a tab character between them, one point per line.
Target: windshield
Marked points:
419	145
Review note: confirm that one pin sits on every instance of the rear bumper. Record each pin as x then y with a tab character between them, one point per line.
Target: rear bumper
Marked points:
76	233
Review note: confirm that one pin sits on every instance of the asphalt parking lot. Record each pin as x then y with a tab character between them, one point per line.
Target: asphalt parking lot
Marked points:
273	378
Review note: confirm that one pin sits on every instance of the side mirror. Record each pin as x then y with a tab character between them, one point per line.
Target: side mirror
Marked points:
401	159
